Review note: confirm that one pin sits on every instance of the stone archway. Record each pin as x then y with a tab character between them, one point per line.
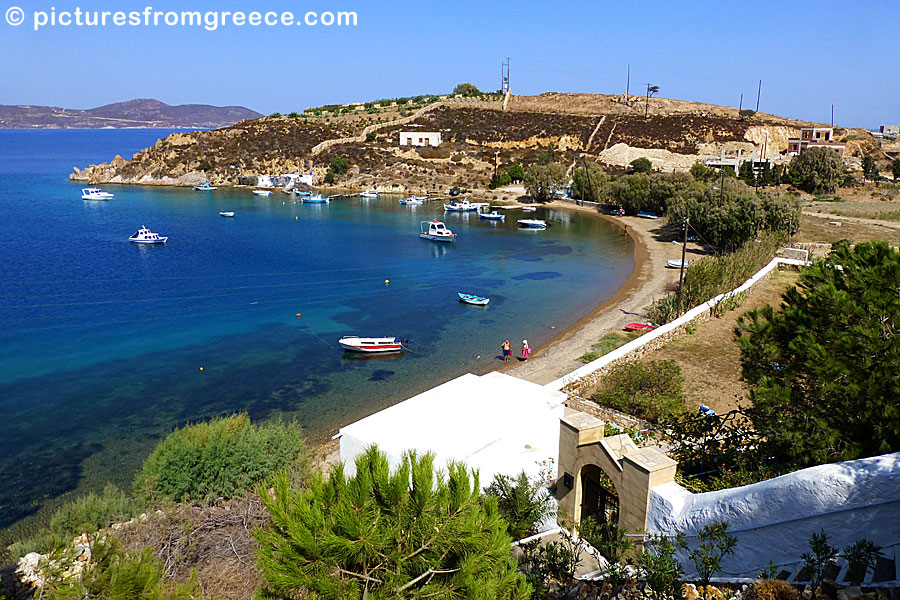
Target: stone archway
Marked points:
599	497
585	452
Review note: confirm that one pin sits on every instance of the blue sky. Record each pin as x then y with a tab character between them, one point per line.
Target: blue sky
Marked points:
809	55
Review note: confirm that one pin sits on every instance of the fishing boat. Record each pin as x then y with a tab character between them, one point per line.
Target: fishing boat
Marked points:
262	193
464	206
676	263
492	216
473	299
436	231
412	200
206	187
533	223
355	343
640	327
368	194
317	199
95	194
145	236
226	213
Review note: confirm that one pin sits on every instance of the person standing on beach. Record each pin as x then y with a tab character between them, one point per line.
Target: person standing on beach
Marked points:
526	350
507	352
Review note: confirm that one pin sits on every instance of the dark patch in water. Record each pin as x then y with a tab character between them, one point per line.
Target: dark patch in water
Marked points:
486	322
538	275
381	375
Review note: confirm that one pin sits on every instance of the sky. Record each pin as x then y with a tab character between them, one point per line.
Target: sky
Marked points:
810	55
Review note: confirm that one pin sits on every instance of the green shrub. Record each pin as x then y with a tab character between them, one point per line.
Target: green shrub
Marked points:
607	538
651	391
218	459
370	137
338	165
520	502
641	165
661	569
117	575
275	114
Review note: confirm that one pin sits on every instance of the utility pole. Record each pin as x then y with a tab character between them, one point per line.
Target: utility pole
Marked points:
758	90
683	252
741	104
832	115
587	175
627	84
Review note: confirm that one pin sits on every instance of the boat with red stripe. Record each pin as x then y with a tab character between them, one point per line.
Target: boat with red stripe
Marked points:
355	343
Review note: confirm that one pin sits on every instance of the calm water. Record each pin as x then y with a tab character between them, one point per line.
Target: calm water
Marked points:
102	341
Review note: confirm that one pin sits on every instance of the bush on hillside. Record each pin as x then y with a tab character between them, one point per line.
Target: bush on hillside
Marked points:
817	171
218	459
652	391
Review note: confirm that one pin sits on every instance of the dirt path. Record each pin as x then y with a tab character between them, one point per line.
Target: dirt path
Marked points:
864	220
648	281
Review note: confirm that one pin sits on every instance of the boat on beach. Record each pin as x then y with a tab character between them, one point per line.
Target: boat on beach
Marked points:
145	236
205	187
492	216
435	231
473	299
532	223
640	327
317	199
355	343
675	263
226	213
262	193
95	194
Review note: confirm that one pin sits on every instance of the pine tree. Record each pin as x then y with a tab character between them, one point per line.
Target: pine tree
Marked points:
411	533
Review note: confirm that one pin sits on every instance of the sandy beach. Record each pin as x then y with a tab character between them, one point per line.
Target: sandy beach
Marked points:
647	283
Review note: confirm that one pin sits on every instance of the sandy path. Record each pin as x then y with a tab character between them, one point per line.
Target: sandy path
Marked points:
849	219
648	282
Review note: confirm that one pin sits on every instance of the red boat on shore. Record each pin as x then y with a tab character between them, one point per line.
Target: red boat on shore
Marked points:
640	327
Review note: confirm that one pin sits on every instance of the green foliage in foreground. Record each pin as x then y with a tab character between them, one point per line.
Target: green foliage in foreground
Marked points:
221	458
521	502
824	371
661	569
408	534
117	575
87	514
651	391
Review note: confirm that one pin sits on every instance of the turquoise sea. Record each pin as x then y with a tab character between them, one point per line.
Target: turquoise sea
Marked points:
102	341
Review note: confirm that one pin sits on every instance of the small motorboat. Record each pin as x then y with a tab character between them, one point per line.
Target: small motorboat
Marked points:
368	194
95	194
464	206
317	199
647	215
262	193
145	236
492	216
226	213
473	299
529	209
354	343
436	231
533	223
206	187
412	200
300	192
640	327
675	263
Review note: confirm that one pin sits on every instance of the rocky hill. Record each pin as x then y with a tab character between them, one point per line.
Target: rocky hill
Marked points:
477	136
139	113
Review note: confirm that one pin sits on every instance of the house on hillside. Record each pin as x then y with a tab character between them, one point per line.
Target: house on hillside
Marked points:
420	138
814	137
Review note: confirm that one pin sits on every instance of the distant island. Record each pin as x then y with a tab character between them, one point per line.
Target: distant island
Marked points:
134	114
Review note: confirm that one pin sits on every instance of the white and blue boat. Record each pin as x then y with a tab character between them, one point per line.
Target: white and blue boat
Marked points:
492	216
473	299
206	187
435	231
317	199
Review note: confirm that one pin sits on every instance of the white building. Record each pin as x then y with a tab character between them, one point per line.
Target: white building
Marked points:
420	138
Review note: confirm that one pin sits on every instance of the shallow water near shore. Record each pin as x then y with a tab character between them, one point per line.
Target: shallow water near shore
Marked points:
102	341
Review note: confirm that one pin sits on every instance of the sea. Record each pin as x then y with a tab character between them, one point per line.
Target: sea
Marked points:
106	346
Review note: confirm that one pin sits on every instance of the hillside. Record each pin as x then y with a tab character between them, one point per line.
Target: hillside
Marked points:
139	113
477	134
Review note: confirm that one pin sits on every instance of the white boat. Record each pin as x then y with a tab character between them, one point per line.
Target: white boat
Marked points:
368	194
354	343
464	206
411	200
675	263
95	194
533	223
317	199
145	236
492	216
262	193
226	213
529	209
205	187
436	231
